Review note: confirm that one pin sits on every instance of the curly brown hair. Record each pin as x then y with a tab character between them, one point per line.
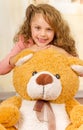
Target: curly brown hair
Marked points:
53	17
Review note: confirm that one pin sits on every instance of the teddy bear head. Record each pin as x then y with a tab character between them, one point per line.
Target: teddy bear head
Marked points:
47	75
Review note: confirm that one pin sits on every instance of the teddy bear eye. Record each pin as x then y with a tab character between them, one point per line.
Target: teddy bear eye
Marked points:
35	72
57	76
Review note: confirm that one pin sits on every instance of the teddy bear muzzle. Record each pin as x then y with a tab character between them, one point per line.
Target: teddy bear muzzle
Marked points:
44	85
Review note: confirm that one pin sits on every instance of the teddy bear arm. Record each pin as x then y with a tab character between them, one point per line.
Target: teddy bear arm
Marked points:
76	115
75	111
9	111
15	100
9	115
70	104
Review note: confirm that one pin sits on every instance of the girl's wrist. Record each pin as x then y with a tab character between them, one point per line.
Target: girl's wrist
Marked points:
11	61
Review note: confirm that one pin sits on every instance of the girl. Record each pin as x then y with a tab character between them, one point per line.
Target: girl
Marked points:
43	27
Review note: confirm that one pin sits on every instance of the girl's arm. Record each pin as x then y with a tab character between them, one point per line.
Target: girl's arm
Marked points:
5	65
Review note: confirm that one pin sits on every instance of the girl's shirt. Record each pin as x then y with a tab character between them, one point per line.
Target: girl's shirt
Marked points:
5	67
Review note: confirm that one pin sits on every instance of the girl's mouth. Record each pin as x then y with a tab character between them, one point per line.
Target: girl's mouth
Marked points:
42	40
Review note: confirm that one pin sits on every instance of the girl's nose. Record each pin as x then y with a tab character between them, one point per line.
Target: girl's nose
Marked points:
43	32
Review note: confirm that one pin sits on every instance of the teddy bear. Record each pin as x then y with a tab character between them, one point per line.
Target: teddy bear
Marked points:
46	83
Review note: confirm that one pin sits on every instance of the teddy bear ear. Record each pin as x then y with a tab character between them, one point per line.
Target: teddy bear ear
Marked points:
78	69
23	59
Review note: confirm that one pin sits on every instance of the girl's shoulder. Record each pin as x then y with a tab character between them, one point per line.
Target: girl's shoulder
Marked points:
61	50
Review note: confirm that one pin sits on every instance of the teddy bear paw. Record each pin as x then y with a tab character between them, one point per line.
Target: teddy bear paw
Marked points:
9	115
2	127
9	128
81	127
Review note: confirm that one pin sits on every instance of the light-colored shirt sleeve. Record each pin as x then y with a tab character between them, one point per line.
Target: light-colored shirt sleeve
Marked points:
5	67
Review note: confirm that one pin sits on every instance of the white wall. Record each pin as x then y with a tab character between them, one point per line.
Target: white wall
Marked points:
11	16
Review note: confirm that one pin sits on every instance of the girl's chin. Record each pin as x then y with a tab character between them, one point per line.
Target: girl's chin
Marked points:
42	45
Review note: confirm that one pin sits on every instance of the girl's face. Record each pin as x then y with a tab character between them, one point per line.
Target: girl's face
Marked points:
42	33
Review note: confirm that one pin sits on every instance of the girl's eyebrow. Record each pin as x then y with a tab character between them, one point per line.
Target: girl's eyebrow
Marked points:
35	24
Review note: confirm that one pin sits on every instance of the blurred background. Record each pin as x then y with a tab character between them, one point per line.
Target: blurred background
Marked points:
12	15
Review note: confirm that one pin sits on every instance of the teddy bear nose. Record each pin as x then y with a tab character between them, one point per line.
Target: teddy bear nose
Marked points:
44	79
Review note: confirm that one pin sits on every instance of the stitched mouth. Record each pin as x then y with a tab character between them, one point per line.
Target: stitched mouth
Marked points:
43	90
44	94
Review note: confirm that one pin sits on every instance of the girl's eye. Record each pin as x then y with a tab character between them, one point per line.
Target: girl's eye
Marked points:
35	72
57	76
37	28
49	29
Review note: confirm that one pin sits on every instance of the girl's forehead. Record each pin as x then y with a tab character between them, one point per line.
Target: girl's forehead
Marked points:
36	15
39	16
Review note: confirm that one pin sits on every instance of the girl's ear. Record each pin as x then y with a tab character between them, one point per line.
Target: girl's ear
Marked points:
24	59
78	69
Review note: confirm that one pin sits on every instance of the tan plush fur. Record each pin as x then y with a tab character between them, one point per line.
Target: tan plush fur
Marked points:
51	62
